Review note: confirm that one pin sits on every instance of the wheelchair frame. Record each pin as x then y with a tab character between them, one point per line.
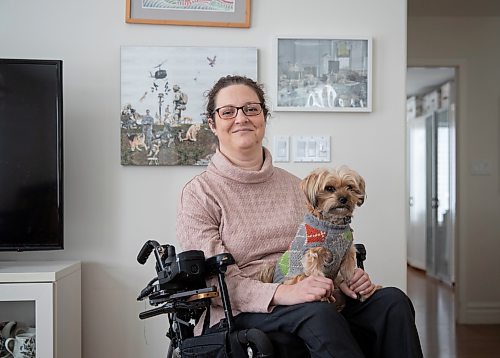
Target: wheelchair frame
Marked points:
179	290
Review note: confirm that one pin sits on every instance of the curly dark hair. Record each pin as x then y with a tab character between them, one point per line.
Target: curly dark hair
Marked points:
230	80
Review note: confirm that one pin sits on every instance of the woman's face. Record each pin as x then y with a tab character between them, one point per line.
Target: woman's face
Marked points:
242	133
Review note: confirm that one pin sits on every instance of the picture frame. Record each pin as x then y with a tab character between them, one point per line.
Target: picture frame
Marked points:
163	119
323	74
221	13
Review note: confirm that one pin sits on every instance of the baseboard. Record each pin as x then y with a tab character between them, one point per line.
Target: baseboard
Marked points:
482	313
416	263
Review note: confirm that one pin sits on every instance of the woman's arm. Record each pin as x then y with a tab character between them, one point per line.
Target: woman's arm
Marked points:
312	288
359	283
198	228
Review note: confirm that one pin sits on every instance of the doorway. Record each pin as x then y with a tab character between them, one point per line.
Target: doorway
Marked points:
431	103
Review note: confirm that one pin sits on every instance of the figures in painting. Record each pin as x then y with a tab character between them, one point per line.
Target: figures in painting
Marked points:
169	136
162	92
180	101
147	128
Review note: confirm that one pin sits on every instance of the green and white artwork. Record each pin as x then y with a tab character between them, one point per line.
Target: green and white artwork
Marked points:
162	118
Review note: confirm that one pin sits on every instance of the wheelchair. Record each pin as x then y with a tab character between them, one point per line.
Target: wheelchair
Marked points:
179	290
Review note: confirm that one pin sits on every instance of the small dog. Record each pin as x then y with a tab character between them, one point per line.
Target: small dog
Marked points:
323	244
136	141
192	132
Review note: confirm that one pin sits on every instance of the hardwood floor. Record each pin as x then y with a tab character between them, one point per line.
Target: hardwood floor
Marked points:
435	317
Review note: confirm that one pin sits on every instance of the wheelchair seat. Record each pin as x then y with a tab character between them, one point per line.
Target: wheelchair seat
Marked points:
179	290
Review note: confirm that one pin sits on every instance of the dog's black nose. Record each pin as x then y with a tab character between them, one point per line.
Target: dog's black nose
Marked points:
343	200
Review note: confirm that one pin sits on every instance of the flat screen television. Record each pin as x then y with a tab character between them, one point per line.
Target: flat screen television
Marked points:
31	155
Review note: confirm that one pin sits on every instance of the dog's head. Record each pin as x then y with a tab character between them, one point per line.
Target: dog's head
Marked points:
332	194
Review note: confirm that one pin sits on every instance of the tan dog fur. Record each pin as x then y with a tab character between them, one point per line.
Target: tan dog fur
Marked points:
332	195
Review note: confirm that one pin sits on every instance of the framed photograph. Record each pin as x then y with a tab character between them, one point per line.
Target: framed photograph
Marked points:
162	118
323	74
223	13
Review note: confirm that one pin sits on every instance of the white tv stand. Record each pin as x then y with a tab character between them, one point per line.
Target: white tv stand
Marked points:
46	294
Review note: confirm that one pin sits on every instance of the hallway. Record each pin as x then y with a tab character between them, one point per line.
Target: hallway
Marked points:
435	318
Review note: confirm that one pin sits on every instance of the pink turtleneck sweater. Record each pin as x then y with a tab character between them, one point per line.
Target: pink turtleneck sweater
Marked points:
253	215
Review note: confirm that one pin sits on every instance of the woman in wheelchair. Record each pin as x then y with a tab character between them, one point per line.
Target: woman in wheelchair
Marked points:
244	205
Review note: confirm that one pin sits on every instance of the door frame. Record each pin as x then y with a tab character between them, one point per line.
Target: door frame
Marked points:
458	226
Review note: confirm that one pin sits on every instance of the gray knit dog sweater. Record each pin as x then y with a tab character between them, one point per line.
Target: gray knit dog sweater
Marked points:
313	232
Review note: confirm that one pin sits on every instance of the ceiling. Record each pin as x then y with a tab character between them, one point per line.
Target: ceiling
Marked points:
420	80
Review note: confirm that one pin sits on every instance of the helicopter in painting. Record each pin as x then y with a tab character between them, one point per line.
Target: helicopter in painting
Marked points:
159	73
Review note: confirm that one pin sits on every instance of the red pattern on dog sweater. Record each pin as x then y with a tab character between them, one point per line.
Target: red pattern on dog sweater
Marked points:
314	235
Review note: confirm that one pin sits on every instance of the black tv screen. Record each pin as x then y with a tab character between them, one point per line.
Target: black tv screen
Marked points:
31	155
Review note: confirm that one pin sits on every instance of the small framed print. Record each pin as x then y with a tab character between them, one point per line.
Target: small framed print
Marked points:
222	13
323	74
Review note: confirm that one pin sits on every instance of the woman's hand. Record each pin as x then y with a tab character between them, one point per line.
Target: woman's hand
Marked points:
359	284
312	288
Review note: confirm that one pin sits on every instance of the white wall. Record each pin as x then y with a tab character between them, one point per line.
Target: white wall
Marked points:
112	210
472	45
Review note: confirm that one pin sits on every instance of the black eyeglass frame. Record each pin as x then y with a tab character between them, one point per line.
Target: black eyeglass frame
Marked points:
237	110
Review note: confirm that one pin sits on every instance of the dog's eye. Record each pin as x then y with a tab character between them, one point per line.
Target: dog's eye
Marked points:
349	187
330	188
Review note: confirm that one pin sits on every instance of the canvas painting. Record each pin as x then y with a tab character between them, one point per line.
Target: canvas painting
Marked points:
163	119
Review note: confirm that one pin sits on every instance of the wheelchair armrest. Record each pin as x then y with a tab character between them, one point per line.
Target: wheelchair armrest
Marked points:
218	263
360	255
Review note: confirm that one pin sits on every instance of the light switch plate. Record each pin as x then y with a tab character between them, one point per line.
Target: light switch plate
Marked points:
311	148
480	167
281	148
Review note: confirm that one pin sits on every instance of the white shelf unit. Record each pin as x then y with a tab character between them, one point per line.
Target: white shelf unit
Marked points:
46	294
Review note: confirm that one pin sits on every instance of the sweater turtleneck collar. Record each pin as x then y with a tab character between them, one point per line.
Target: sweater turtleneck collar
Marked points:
223	167
323	225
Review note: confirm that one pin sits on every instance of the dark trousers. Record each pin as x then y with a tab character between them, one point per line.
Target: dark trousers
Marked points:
383	326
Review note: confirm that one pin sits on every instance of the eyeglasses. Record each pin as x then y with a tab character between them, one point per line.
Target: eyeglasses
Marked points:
230	112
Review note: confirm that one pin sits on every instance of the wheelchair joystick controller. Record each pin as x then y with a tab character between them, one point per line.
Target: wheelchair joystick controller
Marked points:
360	255
179	290
146	250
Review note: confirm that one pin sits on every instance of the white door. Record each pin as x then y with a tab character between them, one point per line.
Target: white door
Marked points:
440	241
419	167
431	191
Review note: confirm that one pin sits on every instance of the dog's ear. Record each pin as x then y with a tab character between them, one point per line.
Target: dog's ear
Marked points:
311	185
360	189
